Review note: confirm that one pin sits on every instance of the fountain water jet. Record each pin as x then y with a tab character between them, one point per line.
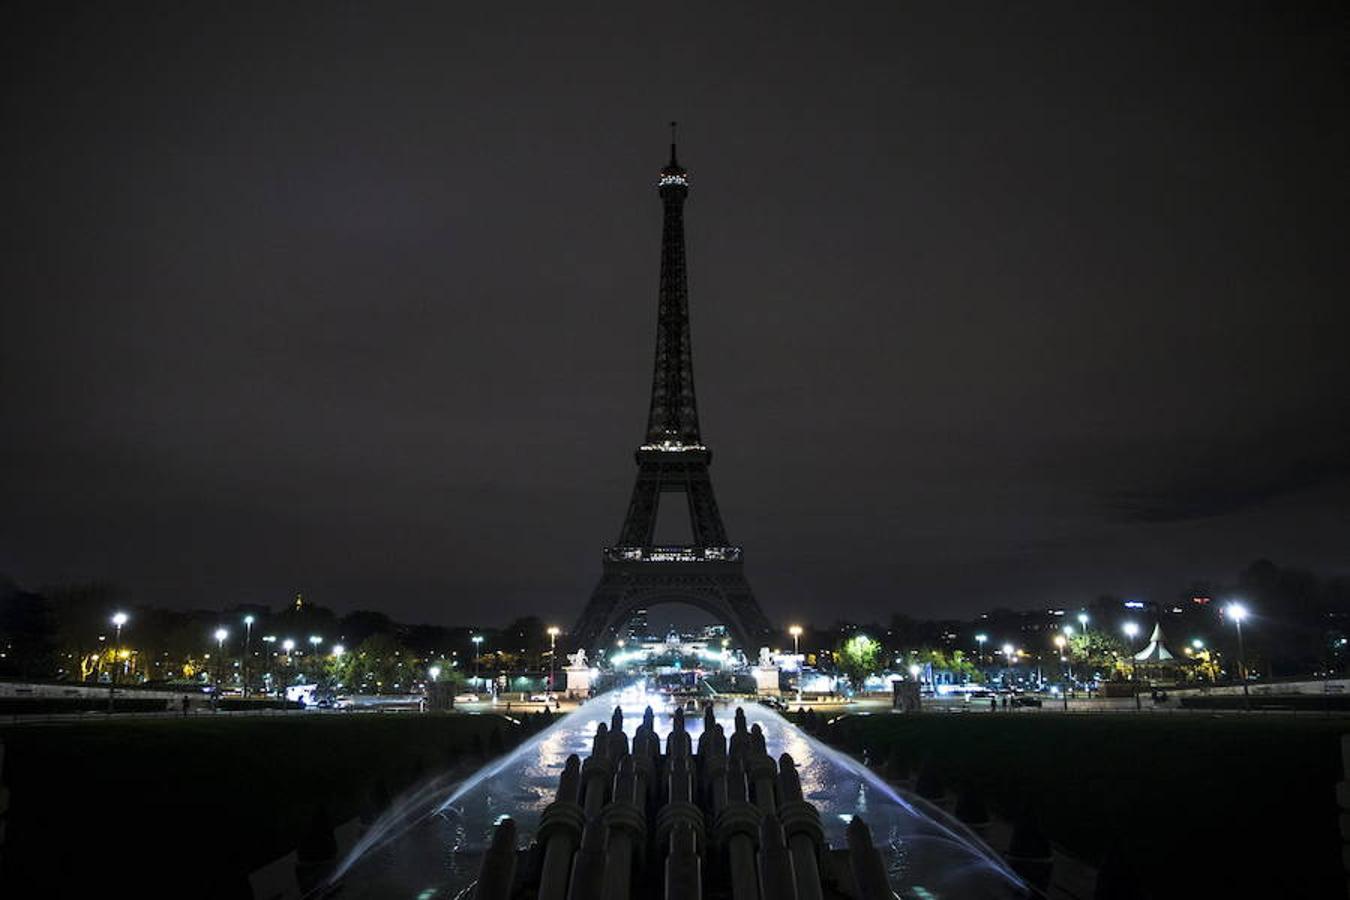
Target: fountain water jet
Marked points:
921	846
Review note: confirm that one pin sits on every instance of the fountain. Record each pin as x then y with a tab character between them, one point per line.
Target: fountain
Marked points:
737	803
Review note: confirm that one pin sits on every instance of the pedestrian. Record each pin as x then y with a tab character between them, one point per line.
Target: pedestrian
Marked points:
993	704
185	704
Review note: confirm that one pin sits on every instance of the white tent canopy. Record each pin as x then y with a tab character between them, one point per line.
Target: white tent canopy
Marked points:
1156	651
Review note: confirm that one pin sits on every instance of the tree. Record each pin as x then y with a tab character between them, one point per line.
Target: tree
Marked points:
380	664
956	663
360	624
27	635
857	658
1096	648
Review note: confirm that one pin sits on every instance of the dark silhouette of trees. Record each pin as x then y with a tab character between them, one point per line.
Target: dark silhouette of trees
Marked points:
28	642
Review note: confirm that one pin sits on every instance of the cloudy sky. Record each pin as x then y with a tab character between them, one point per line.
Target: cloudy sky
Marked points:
992	304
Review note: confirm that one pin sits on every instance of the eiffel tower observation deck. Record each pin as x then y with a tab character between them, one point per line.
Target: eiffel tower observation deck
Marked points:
706	572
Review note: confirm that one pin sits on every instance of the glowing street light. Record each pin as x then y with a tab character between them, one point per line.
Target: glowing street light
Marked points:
434	672
1132	631
1082	621
119	619
477	646
243	660
338	650
288	645
1237	612
220	636
553	632
314	641
1198	644
1061	641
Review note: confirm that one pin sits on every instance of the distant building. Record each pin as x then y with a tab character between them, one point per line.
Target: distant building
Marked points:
637	627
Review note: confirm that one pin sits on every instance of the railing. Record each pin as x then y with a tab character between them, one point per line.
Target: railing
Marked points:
672	554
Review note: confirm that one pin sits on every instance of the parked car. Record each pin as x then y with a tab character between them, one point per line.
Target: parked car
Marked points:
1023	700
773	703
466	698
543	698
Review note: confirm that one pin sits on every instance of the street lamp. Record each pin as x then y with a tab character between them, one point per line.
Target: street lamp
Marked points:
1061	641
221	635
271	656
979	640
477	645
1237	612
119	619
243	660
553	633
338	650
1082	621
434	672
1132	631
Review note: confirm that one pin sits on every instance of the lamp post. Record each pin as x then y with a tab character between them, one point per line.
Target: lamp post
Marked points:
221	635
1237	612
1061	642
119	619
477	644
553	633
314	642
270	676
979	641
243	660
1132	631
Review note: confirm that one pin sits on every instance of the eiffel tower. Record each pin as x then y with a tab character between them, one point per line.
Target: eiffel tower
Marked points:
708	572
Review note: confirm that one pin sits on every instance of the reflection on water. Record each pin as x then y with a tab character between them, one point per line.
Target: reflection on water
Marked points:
430	845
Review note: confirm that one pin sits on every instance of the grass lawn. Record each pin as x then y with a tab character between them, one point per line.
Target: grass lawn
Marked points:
1184	806
198	803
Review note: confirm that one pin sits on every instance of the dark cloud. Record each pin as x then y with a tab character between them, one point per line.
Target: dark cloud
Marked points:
1240	474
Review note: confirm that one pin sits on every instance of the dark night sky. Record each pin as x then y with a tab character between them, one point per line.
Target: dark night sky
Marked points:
993	304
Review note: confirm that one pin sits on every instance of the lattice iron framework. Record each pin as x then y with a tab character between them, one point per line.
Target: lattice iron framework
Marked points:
707	572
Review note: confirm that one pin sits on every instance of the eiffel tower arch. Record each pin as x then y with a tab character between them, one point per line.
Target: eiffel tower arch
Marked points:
708	572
